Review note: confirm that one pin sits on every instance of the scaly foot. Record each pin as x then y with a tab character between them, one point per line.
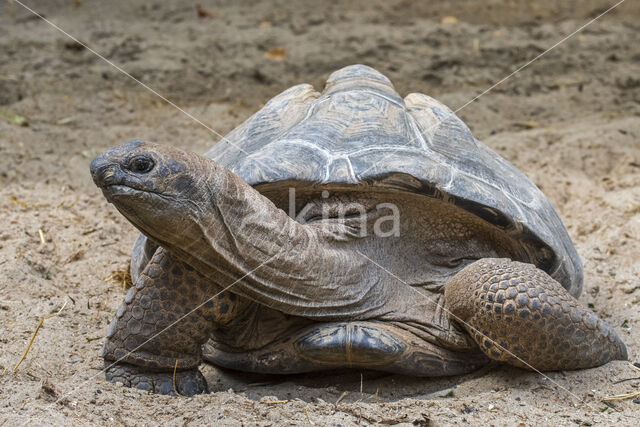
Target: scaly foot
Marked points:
518	314
187	383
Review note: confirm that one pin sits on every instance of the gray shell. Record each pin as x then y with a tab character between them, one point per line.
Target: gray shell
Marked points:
360	131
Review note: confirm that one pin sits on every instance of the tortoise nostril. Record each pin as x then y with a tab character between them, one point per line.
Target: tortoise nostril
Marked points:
95	165
101	171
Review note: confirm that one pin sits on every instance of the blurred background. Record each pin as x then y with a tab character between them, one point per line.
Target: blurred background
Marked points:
244	52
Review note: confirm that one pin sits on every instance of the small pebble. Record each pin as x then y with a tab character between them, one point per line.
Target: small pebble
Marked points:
517	399
636	400
491	406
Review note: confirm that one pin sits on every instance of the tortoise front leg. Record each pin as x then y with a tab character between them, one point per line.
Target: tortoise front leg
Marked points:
513	306
160	324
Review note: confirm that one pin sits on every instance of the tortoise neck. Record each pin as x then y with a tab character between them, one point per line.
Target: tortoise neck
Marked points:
234	228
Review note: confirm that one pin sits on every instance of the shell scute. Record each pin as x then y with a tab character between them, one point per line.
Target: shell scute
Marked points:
360	131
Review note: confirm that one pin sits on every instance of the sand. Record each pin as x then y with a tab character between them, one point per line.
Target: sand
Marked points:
570	121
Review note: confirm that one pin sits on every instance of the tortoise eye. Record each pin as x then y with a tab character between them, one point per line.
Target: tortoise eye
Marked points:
141	164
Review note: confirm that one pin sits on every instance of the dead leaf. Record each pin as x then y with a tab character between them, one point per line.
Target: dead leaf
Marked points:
449	20
203	13
275	54
526	124
75	257
47	391
65	121
16	119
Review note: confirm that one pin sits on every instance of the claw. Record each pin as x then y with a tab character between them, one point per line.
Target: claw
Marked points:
187	383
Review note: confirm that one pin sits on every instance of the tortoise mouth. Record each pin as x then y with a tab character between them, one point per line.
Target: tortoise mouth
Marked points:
116	191
125	193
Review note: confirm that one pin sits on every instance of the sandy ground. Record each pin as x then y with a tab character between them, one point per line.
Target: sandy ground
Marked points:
569	121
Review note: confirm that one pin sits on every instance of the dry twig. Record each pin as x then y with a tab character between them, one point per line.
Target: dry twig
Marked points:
308	417
33	337
342	396
120	277
175	367
624	396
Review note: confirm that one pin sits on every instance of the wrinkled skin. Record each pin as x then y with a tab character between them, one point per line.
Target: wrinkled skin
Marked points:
220	261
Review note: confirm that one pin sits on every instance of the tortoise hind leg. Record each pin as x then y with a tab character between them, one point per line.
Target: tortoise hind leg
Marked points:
164	320
520	315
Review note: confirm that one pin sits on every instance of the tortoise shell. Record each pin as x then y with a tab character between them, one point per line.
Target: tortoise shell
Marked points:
360	132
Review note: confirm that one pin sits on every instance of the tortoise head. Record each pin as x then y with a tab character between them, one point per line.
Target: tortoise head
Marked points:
187	203
156	187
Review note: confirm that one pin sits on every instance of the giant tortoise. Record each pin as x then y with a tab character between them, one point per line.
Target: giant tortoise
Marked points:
345	229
